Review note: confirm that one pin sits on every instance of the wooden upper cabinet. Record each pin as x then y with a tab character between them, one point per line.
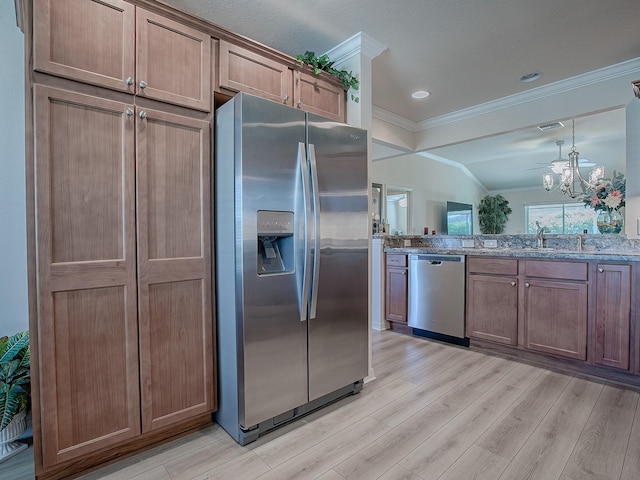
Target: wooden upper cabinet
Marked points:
613	307
85	214
90	41
173	62
317	95
242	70
174	267
112	44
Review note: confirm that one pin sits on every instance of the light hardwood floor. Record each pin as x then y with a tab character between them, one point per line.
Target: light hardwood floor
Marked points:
434	411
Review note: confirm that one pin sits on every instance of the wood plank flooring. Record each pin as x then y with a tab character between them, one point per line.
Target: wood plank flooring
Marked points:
434	411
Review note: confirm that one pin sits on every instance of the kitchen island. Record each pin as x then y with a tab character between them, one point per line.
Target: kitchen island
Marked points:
571	305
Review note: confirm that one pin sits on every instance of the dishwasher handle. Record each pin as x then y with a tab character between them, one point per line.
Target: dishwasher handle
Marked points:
437	259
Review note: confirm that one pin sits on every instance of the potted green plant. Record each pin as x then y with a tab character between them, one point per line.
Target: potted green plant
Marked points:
324	64
493	213
15	382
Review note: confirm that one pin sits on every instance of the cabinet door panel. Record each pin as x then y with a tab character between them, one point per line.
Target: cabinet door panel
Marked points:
613	307
556	317
242	70
86	273
396	301
89	41
492	308
319	96
174	268
174	61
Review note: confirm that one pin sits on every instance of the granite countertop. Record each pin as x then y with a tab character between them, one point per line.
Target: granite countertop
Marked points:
609	255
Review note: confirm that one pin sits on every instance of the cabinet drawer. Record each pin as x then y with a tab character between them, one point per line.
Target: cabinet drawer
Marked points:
555	269
496	266
396	259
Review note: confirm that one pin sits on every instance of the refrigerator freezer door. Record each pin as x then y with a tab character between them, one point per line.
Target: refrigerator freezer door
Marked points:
338	339
268	177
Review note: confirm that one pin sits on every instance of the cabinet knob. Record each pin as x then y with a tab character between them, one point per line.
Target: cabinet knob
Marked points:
513	284
142	84
601	270
129	111
143	114
299	102
526	284
285	99
129	81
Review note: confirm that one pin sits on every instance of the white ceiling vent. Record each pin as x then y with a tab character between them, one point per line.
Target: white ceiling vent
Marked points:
550	126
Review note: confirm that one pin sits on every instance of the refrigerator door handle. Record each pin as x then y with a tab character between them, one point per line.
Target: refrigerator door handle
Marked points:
316	231
306	194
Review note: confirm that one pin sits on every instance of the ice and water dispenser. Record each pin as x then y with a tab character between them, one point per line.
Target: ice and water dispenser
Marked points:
275	242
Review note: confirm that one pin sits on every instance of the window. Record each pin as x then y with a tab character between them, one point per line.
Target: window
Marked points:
561	218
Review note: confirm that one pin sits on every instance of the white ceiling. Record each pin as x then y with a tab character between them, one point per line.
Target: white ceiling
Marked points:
465	52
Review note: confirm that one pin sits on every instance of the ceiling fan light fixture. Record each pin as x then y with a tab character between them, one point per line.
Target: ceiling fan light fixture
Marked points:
420	94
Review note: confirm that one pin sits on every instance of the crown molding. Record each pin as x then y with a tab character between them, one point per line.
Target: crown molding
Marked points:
457	165
394	119
360	43
561	86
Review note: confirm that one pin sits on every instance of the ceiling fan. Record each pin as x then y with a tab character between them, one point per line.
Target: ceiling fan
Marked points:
557	165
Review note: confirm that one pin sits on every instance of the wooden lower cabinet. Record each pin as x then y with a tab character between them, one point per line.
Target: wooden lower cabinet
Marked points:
123	258
555	317
492	308
174	267
396	295
87	318
613	305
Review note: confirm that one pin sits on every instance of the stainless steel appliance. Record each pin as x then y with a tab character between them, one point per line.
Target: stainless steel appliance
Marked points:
291	263
437	297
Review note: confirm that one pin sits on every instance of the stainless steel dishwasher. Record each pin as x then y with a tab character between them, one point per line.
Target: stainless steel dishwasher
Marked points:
437	296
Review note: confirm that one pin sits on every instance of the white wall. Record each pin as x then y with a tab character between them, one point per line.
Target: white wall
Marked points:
432	183
13	249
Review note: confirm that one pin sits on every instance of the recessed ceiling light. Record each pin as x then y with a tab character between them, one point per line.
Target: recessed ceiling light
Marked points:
420	94
530	77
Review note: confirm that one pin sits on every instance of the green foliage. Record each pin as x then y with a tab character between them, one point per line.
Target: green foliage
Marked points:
15	376
324	64
493	213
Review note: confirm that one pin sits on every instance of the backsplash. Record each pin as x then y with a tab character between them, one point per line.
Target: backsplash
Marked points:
578	243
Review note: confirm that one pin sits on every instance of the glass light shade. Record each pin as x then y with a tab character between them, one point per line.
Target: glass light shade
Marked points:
547	181
596	174
567	176
558	165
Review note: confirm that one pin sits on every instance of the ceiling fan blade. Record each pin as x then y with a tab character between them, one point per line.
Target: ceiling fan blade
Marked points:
538	168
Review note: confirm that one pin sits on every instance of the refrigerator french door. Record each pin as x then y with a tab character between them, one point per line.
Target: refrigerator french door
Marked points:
291	263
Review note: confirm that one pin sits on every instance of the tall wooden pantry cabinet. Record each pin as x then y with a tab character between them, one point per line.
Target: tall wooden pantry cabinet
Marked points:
120	176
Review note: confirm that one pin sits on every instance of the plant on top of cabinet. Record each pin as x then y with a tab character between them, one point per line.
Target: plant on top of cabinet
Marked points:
324	64
493	213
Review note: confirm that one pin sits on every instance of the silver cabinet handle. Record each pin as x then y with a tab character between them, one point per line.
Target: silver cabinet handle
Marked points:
143	114
526	284
142	84
513	284
285	99
129	111
404	272
601	270
129	81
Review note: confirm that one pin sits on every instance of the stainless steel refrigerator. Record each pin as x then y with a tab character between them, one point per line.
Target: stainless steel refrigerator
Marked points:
291	263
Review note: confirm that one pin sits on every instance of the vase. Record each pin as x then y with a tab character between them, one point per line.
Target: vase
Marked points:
610	221
17	426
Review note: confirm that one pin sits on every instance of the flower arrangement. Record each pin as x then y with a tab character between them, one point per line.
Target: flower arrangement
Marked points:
608	194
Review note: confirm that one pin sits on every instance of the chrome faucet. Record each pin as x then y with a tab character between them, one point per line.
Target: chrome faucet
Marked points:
540	234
